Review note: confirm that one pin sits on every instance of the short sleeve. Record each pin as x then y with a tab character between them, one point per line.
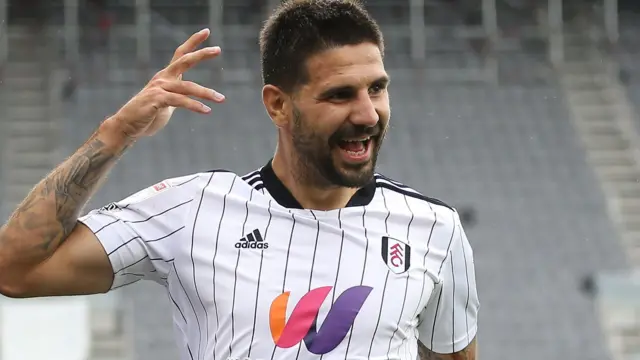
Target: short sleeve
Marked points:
138	232
449	322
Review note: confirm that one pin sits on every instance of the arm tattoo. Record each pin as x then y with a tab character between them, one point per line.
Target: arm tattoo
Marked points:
50	212
467	353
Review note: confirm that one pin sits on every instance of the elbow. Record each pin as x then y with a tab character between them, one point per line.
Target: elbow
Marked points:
12	289
13	278
13	292
12	285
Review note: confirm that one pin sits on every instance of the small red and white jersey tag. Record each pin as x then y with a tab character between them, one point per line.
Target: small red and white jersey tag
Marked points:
146	193
160	186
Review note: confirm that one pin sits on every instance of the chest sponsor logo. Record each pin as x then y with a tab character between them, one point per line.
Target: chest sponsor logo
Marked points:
396	254
302	323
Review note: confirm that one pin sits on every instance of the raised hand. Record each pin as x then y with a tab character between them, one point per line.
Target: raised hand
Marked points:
150	110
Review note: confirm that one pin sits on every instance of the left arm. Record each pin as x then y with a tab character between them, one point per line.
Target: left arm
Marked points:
448	323
468	353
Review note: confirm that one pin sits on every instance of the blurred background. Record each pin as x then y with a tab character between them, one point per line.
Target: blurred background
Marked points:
524	114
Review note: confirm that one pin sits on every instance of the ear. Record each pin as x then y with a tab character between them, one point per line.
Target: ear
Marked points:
275	102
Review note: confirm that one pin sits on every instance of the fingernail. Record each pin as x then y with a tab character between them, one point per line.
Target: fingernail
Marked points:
214	49
205	108
218	96
203	30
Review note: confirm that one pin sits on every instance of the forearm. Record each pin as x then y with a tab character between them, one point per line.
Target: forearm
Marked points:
50	211
468	353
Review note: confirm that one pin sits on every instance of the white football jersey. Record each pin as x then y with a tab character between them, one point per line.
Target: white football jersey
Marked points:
252	275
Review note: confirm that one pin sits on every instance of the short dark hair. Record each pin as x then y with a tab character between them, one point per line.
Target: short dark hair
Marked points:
299	29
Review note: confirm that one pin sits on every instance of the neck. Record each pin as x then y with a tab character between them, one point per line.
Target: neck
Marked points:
309	195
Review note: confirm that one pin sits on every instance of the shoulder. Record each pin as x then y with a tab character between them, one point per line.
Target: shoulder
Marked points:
221	181
401	189
183	187
197	181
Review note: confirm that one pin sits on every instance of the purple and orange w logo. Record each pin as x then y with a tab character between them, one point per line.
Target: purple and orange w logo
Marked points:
303	319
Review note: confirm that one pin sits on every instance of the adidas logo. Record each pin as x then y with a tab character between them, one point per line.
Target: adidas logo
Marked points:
111	207
252	241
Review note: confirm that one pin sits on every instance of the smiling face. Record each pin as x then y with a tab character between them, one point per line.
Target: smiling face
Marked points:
326	91
339	117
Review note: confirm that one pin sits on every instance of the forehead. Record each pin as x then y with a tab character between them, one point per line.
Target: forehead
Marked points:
346	65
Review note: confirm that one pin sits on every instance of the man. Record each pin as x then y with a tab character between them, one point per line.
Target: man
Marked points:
312	256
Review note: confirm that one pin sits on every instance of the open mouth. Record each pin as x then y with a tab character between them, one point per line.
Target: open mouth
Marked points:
356	149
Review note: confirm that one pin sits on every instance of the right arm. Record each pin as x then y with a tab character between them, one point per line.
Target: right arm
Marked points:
44	250
41	245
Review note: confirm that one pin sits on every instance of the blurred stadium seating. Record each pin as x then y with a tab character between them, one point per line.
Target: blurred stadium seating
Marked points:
487	130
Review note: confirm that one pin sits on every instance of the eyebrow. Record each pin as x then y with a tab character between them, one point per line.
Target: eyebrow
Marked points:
383	80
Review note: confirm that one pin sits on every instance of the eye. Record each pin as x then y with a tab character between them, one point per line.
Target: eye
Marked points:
340	95
377	88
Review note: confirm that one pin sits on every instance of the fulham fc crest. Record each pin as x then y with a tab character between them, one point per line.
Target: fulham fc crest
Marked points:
396	254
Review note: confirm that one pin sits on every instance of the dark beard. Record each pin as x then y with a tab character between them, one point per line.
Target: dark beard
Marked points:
315	163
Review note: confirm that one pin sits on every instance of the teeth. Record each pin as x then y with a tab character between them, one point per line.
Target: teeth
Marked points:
356	152
357	140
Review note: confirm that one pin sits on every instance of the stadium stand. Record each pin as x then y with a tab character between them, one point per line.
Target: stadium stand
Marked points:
628	56
507	150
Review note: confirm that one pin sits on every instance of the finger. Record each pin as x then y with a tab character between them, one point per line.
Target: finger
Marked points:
191	44
190	88
190	60
185	102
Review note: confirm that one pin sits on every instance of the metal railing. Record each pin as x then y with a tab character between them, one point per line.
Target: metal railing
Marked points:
4	36
415	29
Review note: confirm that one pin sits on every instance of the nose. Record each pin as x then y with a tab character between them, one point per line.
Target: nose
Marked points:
364	111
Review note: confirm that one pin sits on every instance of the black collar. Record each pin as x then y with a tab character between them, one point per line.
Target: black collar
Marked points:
283	196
